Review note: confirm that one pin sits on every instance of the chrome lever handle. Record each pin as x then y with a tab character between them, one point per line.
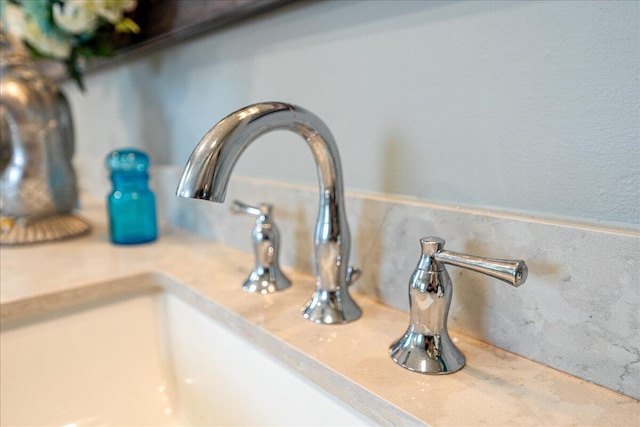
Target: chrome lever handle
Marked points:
513	272
240	207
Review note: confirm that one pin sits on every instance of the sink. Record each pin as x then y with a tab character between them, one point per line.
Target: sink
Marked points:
150	359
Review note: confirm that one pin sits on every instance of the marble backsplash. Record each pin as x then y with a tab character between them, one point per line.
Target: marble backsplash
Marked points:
578	311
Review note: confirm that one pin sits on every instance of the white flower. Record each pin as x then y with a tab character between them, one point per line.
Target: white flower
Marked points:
113	10
64	29
75	17
17	23
51	46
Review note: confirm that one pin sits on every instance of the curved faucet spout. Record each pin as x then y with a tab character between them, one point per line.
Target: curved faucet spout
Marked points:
209	168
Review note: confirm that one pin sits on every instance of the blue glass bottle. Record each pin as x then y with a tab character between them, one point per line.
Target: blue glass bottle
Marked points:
131	205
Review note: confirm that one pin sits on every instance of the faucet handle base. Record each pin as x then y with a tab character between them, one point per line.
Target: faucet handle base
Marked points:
427	353
331	307
266	281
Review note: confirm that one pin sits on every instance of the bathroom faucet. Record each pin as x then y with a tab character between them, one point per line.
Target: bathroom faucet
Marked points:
209	168
426	347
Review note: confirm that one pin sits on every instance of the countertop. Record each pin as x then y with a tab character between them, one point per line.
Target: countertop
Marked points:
349	361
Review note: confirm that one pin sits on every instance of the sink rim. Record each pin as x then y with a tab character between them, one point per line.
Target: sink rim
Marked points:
39	308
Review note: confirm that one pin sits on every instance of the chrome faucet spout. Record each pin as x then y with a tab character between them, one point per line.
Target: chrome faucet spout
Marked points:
209	168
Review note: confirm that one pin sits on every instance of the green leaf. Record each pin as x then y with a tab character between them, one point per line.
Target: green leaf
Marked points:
75	71
127	25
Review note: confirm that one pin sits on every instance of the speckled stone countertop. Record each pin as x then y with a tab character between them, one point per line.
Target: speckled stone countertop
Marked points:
349	361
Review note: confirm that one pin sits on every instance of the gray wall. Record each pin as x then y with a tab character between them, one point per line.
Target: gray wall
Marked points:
529	107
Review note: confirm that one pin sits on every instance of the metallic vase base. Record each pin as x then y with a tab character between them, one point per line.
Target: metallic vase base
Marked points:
25	231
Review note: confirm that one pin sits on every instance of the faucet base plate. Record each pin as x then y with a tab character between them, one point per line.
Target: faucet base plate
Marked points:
331	307
266	282
426	353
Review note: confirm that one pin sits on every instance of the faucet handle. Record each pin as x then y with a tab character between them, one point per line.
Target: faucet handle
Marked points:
513	272
426	346
262	209
353	274
266	276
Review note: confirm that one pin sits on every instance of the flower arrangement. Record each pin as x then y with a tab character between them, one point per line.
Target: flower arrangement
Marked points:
68	31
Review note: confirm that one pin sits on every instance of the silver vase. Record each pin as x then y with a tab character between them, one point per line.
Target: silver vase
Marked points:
38	190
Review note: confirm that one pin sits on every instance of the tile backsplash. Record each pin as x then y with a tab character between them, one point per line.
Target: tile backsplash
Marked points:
577	312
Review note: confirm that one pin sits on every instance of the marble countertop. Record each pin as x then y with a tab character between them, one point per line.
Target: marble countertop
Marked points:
349	361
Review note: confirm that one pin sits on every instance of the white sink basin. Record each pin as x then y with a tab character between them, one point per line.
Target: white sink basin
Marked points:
150	359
